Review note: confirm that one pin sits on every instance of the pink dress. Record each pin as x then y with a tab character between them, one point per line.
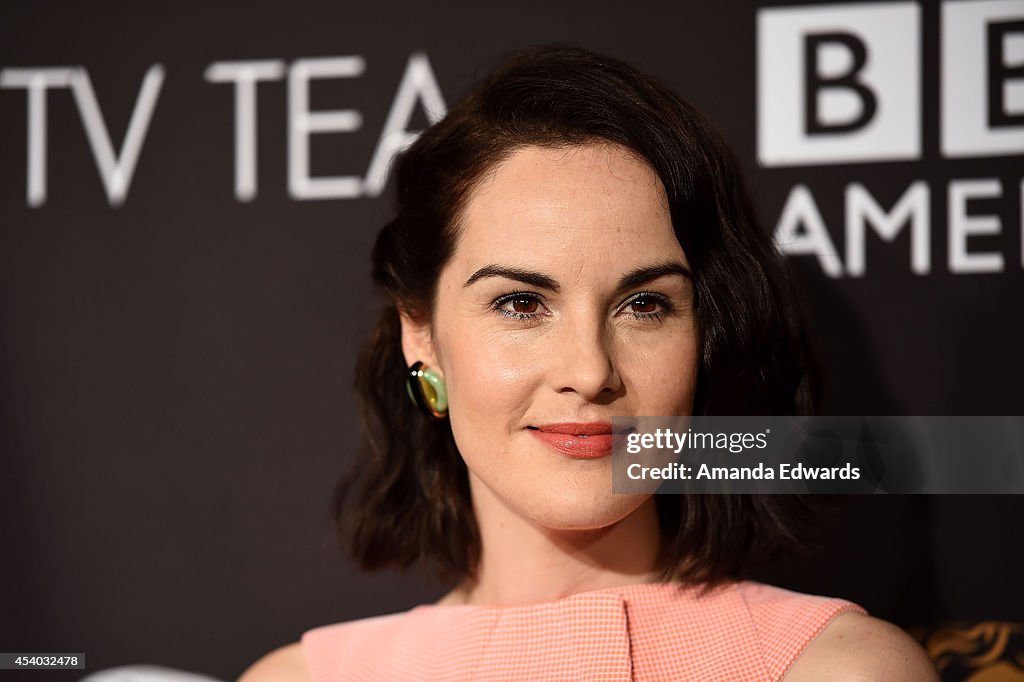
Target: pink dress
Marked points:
738	631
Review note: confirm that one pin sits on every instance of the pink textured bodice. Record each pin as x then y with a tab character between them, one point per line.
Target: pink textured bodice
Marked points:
738	631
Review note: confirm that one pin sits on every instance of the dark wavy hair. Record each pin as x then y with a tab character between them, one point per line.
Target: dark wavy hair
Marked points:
406	498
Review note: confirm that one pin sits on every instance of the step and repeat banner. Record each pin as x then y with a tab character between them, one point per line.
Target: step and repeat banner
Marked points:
188	198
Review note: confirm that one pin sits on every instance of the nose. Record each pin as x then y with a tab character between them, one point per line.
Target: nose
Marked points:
584	363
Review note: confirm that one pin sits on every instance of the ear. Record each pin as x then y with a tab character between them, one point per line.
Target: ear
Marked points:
418	343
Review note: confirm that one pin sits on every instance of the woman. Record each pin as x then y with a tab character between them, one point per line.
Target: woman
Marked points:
573	243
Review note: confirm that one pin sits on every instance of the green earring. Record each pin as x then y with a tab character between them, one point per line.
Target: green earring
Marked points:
427	391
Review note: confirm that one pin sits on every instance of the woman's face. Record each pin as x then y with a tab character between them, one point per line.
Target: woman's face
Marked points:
564	302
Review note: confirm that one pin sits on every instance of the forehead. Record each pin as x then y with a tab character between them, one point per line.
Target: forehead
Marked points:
593	201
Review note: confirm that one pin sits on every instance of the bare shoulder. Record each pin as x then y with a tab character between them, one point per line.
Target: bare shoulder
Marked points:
856	647
280	665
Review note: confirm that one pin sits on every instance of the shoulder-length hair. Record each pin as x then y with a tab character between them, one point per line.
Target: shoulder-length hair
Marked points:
406	498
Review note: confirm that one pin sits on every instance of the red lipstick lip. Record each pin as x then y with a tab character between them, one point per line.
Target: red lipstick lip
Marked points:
576	445
577	428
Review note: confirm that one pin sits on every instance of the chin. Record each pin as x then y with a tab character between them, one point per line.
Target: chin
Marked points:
583	510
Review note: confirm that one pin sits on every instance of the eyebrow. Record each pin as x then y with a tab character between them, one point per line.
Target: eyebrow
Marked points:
631	279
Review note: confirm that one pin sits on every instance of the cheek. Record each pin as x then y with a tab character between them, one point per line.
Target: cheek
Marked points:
489	382
662	374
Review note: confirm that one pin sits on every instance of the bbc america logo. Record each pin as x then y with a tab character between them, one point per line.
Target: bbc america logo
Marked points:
842	83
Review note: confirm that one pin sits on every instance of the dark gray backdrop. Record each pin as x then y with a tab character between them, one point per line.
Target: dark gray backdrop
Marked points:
175	372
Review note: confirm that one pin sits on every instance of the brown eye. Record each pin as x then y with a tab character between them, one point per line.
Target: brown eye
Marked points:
643	305
524	305
520	306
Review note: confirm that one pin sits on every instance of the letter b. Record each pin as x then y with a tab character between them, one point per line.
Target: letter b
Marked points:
982	78
817	84
838	83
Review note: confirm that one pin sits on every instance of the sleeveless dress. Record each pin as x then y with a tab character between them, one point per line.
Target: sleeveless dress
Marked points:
737	631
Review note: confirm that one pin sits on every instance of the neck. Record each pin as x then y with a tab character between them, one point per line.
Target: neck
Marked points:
522	562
